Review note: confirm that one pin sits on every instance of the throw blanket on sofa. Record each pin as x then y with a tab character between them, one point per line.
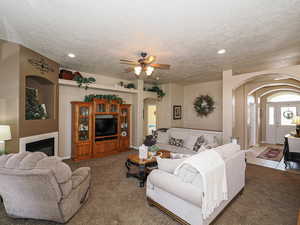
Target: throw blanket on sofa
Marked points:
211	166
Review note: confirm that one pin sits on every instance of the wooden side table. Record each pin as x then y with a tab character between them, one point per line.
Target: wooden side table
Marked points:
133	160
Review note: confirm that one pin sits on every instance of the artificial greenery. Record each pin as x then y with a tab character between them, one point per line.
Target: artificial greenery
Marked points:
91	97
160	93
204	105
153	148
34	110
83	81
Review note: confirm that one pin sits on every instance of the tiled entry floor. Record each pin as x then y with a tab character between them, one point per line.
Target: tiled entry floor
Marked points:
253	152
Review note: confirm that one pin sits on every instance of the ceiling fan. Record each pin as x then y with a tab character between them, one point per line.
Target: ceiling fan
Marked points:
144	64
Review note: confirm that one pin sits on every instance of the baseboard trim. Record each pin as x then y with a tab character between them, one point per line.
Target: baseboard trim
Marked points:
134	147
64	158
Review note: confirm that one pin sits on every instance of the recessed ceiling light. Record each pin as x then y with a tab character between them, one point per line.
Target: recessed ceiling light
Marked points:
71	55
222	51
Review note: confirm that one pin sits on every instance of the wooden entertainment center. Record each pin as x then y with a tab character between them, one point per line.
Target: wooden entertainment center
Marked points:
99	128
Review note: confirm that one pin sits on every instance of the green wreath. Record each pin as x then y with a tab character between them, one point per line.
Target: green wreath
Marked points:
204	105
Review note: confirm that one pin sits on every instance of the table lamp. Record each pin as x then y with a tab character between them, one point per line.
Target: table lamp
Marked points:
296	120
4	136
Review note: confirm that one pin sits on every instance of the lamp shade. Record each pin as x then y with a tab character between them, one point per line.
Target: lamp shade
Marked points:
296	120
5	133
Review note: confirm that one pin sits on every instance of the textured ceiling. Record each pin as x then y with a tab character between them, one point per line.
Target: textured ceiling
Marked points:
186	34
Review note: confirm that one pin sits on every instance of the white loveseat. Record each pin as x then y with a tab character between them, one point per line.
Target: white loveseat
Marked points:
183	201
212	138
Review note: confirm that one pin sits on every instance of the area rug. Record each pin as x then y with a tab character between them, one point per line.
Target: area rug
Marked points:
274	154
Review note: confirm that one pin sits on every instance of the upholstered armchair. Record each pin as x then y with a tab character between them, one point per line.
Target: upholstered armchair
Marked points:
33	185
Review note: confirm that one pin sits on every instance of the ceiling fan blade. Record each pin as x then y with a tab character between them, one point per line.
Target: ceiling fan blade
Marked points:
150	59
161	66
129	69
129	62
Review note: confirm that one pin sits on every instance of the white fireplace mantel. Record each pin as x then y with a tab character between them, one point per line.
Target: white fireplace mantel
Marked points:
30	139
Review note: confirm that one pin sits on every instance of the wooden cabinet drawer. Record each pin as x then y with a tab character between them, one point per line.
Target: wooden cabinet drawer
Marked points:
103	147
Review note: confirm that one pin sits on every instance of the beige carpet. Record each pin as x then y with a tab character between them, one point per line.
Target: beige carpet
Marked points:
271	197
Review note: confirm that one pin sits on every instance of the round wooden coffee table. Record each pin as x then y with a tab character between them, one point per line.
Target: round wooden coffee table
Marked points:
143	165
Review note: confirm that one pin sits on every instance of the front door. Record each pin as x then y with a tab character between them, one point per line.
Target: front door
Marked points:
279	121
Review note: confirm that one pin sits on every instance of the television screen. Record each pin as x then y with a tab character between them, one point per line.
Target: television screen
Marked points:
106	126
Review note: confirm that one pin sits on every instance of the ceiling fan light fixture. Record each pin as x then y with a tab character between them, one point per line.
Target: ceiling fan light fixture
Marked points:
137	70
149	70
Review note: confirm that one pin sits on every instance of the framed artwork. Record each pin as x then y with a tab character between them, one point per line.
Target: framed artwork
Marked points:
177	113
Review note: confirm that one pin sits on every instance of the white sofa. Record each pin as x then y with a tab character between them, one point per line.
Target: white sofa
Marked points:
183	200
212	138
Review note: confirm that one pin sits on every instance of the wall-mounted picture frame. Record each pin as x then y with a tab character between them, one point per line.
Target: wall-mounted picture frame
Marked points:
177	112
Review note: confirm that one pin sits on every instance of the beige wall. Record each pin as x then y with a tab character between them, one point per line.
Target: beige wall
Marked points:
10	91
36	127
164	108
212	121
174	96
177	98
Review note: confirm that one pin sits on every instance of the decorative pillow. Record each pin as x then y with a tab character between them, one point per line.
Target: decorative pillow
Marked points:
162	137
200	141
211	139
154	134
176	141
179	135
207	146
190	141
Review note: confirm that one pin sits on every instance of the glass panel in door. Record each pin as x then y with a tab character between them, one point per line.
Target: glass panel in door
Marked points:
286	115
83	124
285	126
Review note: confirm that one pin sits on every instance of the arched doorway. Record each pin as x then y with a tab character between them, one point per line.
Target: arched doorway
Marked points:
150	116
249	106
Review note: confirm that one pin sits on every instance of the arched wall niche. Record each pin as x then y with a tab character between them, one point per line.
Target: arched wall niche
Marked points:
39	102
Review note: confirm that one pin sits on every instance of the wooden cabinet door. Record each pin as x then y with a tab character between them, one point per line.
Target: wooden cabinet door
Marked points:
124	144
83	151
81	130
